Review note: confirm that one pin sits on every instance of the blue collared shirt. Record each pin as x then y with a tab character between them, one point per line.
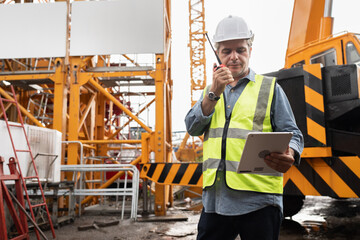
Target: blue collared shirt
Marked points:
219	198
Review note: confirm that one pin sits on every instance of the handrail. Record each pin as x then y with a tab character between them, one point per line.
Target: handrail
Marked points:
103	191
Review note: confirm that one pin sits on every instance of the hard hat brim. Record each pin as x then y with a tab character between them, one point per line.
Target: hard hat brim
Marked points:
232	38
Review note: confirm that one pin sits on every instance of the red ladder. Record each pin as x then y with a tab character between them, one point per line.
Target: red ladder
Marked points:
20	222
28	150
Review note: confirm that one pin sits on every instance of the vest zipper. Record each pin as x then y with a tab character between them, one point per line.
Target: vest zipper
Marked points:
224	137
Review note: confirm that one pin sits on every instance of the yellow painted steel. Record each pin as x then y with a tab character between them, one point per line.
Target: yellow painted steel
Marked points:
6	107
80	107
183	174
326	27
316	131
331	178
60	99
316	152
197	42
124	148
188	174
182	146
11	77
353	163
110	141
158	171
300	181
160	191
99	133
89	146
86	111
314	69
135	63
306	23
117	103
74	106
145	147
173	171
310	49
22	109
128	122
314	98
118	74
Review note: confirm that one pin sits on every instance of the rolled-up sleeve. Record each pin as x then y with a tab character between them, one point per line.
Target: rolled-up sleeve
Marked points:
195	121
283	120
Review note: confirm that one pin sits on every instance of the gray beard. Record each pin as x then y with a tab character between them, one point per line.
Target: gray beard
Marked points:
239	75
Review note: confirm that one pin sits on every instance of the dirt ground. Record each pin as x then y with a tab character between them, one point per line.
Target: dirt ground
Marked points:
129	229
320	219
180	230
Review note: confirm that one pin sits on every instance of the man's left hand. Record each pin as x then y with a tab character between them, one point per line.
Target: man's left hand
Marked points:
280	162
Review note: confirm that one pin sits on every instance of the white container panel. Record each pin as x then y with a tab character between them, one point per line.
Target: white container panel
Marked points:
46	147
6	148
43	141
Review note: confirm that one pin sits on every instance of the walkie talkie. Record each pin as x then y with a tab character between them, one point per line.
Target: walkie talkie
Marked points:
217	57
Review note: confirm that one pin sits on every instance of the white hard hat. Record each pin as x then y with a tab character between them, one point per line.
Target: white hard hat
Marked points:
232	27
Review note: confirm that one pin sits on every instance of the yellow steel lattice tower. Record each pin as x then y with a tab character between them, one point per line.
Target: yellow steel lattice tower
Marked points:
197	68
197	48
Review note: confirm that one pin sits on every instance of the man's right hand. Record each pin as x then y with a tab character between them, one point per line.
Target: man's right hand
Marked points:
221	77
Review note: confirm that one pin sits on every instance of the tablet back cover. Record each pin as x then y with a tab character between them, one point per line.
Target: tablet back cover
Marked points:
257	146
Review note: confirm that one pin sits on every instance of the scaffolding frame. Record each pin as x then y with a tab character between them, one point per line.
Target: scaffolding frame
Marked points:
80	96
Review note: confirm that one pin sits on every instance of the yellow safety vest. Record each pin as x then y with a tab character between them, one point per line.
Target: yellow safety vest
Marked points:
225	138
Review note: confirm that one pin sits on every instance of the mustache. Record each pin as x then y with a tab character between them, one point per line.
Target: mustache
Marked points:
235	64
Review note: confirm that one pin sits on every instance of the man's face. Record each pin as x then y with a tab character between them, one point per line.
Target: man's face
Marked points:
235	55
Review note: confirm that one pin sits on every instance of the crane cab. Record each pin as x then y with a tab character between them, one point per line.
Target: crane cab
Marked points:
336	50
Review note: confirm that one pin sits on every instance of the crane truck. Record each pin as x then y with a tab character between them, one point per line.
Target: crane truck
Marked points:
321	80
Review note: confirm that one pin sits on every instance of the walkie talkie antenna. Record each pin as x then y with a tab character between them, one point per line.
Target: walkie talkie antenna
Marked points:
217	57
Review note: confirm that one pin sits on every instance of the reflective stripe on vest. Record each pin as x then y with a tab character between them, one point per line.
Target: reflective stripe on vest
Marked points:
247	116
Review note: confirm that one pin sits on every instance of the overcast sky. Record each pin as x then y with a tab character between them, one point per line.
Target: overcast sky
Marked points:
269	20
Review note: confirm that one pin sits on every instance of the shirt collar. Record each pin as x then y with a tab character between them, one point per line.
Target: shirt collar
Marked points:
250	76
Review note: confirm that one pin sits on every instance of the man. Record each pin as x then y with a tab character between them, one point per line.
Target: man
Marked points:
237	102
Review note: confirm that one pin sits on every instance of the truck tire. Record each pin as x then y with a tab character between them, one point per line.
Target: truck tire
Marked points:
292	204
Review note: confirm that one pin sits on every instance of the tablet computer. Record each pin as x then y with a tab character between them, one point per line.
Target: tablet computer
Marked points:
257	146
